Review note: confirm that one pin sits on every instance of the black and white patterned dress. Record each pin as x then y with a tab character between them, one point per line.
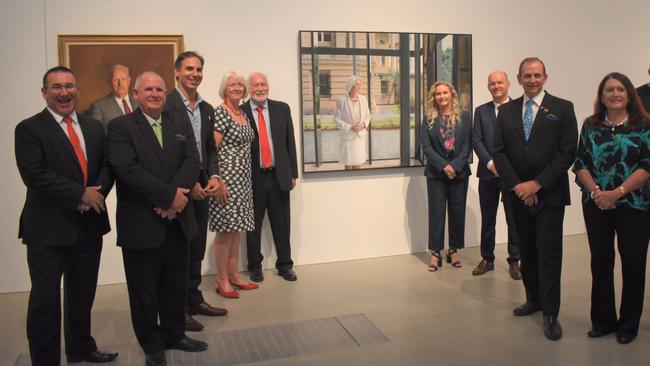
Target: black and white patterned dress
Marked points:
234	156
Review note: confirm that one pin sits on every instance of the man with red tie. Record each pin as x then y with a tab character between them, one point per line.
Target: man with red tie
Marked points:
60	156
274	173
118	102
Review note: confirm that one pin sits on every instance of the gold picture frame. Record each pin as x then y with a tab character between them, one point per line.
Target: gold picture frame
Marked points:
92	56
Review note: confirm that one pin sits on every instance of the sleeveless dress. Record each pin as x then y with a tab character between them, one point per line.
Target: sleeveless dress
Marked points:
234	156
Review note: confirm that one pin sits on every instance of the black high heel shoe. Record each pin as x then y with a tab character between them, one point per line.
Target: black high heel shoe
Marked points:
456	261
435	256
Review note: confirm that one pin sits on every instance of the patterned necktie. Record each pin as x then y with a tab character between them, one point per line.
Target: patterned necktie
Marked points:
76	145
528	118
265	147
157	129
127	109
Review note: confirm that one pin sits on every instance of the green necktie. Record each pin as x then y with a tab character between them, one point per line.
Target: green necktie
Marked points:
157	129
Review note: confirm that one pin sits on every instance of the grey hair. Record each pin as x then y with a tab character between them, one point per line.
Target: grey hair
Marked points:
350	81
224	83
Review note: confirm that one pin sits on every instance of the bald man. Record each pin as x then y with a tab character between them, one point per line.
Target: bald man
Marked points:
489	186
118	102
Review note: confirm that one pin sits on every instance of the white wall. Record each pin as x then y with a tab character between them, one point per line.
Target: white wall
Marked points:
335	217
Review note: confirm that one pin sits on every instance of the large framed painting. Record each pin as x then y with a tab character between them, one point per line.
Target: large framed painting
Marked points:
91	57
394	73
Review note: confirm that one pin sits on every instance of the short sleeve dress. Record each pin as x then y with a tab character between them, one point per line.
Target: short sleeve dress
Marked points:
234	156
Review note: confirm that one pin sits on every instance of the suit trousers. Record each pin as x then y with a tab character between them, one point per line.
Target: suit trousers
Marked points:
452	195
157	283
269	197
79	266
540	246
197	253
632	230
489	191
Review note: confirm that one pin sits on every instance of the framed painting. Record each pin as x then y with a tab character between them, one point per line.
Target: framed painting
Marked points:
91	57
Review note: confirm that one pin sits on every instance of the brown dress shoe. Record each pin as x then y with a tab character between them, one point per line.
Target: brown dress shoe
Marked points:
191	325
207	310
482	267
513	269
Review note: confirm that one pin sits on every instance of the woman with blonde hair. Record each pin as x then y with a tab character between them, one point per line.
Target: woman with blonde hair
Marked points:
231	212
353	119
446	143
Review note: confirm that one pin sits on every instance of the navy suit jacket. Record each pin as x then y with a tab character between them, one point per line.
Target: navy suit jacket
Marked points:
148	175
284	144
546	156
175	108
434	150
485	120
50	169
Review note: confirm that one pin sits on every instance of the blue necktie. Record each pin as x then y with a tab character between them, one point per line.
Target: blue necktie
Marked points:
528	118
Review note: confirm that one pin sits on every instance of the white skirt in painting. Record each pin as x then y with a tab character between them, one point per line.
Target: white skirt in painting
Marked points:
354	151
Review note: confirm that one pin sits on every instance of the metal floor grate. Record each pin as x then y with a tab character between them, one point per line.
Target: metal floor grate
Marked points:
236	347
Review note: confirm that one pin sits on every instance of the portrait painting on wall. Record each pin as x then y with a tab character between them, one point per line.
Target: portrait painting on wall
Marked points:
91	57
363	94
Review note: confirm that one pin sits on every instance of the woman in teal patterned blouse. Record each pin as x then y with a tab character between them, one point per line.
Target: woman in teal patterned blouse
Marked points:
612	164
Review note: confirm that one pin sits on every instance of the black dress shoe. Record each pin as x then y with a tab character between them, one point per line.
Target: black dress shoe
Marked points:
597	333
155	359
95	356
207	310
624	339
191	325
257	275
526	309
288	275
514	271
552	328
187	344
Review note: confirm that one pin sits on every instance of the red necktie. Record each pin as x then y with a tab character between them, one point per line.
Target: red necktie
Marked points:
76	145
127	109
265	147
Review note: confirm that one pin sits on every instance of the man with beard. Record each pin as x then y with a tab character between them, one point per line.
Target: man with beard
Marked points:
274	173
185	104
534	146
60	156
155	161
118	102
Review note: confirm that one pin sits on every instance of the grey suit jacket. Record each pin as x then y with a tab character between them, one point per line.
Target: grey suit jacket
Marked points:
106	109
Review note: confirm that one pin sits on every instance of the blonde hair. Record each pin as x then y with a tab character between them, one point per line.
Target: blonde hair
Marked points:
224	83
431	107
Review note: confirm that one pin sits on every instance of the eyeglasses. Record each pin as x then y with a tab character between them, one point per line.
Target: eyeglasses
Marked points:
59	87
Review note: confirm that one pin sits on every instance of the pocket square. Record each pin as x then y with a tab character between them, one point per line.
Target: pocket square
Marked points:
180	137
552	117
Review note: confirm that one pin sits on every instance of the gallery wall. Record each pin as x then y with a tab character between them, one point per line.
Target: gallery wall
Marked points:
337	216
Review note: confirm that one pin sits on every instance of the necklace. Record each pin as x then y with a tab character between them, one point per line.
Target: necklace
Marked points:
613	125
237	113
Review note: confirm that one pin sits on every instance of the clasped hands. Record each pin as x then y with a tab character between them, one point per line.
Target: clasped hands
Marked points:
358	127
605	200
527	192
450	171
92	198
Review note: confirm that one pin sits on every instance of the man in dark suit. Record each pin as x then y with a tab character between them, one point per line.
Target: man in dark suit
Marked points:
489	186
118	102
274	173
534	145
185	104
155	161
60	156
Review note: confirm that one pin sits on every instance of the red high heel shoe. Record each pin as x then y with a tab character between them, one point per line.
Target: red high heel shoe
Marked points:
245	285
229	294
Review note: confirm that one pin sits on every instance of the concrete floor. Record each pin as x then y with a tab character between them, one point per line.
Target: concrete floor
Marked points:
444	318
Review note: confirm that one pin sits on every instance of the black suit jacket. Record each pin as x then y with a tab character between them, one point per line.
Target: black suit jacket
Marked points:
175	108
434	150
284	144
148	175
50	169
485	120
546	156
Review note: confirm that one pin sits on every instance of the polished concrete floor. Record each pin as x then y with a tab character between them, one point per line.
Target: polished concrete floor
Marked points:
443	318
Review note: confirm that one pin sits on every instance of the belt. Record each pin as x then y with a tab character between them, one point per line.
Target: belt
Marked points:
267	170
